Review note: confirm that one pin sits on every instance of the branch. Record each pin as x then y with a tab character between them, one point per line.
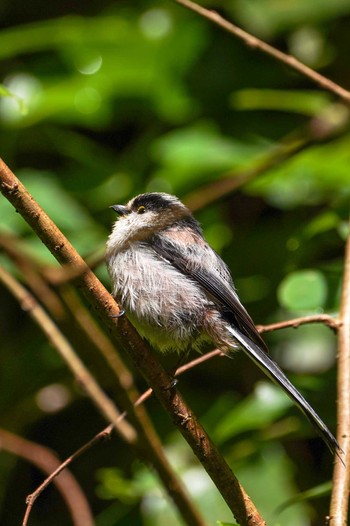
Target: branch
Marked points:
105	433
331	322
256	43
46	461
228	485
148	445
28	268
65	350
153	452
341	475
319	128
59	468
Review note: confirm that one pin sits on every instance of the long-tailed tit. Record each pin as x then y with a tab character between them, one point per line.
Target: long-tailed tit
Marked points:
178	292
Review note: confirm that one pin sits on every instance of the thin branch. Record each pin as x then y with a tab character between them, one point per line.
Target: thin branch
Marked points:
107	432
29	268
103	435
331	322
230	181
319	128
228	485
47	461
256	43
341	477
65	350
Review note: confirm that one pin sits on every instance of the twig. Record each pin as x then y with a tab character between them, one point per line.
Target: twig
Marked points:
331	322
256	43
53	476
46	461
232	180
317	129
65	350
341	475
29	268
228	485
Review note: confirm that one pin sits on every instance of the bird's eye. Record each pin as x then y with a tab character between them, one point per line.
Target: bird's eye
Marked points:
141	210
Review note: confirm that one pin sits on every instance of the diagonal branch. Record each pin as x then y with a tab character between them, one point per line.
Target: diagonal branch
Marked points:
61	344
148	444
234	494
256	43
331	322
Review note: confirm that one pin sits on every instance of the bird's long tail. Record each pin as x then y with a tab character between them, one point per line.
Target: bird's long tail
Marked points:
273	371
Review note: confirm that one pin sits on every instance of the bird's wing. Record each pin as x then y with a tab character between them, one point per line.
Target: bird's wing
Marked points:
242	329
220	290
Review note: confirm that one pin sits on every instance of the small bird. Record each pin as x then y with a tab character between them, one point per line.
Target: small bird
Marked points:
178	292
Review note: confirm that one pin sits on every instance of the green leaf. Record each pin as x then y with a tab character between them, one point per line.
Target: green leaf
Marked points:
303	290
264	406
304	102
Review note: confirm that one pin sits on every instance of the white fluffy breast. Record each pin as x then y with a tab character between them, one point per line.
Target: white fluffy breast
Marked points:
164	305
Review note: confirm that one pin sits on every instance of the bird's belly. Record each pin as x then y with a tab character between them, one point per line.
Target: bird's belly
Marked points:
165	306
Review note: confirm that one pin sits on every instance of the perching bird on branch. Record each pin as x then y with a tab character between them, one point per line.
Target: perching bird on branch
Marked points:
178	292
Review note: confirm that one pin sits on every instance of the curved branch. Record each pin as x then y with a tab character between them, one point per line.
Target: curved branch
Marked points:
46	461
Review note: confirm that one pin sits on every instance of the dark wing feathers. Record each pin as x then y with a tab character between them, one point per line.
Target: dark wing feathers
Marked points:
242	328
219	290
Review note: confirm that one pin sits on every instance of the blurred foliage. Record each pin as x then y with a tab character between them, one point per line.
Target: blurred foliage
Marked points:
100	101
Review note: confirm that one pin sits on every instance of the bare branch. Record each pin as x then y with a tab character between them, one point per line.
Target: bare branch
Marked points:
341	475
331	322
123	332
228	485
54	474
47	461
318	128
256	43
65	350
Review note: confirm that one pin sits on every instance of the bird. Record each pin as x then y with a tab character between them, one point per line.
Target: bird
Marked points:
179	294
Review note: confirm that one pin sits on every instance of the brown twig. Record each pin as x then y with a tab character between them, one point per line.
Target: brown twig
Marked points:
103	435
319	128
341	477
46	461
29	268
232	491
65	350
256	43
331	322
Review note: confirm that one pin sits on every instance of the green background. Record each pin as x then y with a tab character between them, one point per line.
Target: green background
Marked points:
105	100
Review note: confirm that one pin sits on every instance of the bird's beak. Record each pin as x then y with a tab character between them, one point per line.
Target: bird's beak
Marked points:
120	209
